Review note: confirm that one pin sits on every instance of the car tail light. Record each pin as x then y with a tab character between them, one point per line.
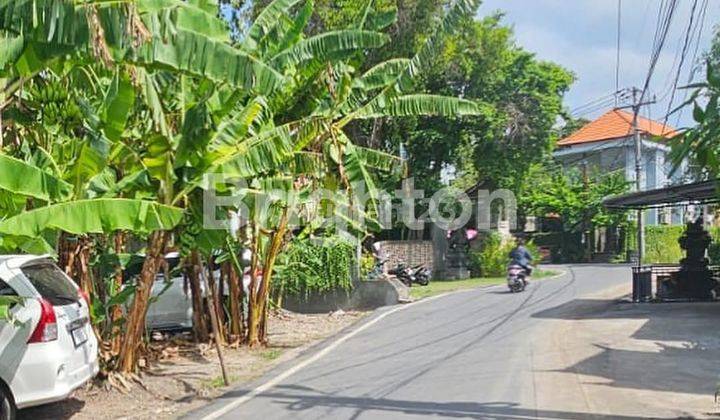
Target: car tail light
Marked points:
84	294
46	329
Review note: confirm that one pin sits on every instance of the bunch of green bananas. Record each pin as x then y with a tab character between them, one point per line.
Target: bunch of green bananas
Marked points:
61	113
188	235
50	92
55	103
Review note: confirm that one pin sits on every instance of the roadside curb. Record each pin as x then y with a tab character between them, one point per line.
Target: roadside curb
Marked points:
244	392
556	276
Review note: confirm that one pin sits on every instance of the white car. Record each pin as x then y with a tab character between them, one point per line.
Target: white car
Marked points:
171	304
48	348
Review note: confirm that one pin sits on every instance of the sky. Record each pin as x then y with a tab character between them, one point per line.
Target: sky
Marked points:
581	35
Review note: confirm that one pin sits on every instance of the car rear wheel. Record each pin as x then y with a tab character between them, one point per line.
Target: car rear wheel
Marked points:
7	406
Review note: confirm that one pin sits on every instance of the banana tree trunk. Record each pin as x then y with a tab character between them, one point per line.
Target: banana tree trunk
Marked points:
116	312
74	259
253	321
235	301
67	251
222	316
83	265
135	324
258	334
215	306
215	325
200	325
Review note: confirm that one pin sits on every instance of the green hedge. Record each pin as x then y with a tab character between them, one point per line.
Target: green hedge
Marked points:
661	244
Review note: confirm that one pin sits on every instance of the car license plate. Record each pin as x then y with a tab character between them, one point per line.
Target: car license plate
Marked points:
79	336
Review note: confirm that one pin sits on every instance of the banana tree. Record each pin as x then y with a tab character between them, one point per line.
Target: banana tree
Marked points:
323	93
202	105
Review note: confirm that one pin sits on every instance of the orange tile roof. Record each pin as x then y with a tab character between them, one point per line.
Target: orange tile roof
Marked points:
615	124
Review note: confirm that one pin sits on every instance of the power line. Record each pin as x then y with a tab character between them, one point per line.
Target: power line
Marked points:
694	66
645	14
617	52
661	31
686	44
607	103
593	103
667	85
701	26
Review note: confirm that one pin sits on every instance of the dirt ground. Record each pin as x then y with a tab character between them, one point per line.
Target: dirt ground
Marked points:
188	375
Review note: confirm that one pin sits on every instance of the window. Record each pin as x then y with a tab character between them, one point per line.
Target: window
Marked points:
51	283
6	290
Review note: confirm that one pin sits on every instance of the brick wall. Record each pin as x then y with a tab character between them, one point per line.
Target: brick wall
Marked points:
409	252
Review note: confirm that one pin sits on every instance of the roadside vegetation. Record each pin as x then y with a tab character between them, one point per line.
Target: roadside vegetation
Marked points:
115	113
438	287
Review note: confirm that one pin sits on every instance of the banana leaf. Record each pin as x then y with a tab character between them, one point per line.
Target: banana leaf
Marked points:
324	46
421	104
266	21
22	178
102	215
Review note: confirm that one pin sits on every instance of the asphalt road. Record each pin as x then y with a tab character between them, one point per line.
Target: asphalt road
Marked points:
465	355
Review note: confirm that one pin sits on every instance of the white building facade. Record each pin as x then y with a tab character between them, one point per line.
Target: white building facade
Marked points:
607	145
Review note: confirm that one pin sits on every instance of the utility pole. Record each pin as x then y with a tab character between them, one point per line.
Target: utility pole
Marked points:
636	105
638	174
587	225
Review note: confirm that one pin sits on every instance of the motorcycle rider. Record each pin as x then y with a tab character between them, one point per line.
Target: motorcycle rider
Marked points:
521	256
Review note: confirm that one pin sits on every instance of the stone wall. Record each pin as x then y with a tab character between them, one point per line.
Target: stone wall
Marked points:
408	252
365	295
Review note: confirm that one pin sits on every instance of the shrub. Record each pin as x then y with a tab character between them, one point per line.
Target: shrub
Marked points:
367	263
714	248
311	266
492	259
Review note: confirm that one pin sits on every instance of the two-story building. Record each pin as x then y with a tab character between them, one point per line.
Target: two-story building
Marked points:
607	144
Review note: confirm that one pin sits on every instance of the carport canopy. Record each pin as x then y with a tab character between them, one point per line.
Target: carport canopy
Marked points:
703	192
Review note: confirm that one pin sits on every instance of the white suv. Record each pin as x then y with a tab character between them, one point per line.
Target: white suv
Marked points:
49	348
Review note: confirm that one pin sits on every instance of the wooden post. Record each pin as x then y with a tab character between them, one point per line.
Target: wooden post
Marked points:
214	322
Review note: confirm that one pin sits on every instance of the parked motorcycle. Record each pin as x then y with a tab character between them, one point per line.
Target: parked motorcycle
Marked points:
516	278
421	275
402	273
409	275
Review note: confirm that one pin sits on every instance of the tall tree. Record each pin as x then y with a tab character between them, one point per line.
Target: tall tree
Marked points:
187	99
520	97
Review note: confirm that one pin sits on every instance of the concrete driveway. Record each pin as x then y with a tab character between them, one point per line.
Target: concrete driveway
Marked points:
563	349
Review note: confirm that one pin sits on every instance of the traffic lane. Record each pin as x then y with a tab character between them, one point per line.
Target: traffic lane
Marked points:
467	351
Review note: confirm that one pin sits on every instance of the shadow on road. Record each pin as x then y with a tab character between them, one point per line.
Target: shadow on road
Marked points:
297	402
59	410
675	349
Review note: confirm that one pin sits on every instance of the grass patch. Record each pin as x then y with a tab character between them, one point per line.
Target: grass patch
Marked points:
443	286
271	354
217	382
